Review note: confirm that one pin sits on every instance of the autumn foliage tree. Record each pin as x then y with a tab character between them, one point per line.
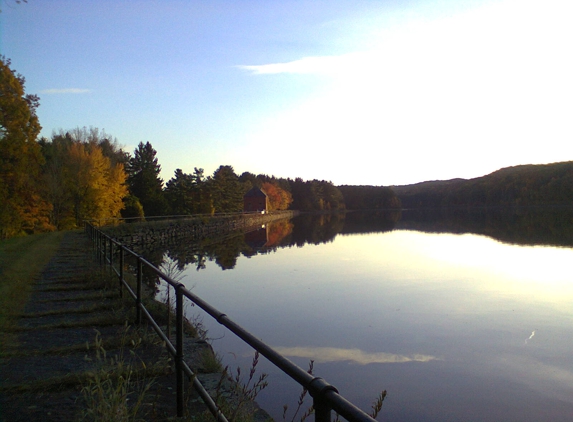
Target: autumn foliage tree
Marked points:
82	179
22	209
98	186
279	199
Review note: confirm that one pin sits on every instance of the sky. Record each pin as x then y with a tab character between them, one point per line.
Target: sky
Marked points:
387	92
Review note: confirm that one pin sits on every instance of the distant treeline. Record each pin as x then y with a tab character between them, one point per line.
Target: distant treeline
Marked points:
83	174
369	197
525	185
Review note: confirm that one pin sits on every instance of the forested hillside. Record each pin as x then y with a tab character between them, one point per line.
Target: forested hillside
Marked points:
547	184
369	197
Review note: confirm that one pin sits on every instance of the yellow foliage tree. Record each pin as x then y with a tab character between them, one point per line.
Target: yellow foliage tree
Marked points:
97	187
22	209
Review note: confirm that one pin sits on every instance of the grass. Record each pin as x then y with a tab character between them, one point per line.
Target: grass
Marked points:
210	362
118	368
21	261
117	388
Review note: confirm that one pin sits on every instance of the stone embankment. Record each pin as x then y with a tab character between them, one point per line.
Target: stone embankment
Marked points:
191	228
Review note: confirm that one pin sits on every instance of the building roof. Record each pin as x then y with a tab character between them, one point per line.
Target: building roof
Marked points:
255	193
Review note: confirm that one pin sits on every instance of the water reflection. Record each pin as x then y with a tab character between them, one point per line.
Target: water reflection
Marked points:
455	326
541	226
333	354
519	226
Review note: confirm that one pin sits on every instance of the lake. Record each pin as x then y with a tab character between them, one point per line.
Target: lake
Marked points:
459	315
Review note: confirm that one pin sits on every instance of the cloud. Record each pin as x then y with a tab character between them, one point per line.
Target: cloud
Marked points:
66	91
333	354
306	65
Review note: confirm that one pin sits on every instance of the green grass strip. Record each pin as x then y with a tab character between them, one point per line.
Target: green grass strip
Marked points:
21	261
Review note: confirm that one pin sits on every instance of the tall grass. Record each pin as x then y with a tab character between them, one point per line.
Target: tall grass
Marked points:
116	389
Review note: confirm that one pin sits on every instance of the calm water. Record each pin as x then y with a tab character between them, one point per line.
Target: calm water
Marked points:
455	324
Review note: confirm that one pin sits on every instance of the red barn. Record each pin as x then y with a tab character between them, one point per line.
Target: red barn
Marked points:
256	200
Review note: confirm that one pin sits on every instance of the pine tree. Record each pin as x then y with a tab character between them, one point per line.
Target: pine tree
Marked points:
226	190
144	182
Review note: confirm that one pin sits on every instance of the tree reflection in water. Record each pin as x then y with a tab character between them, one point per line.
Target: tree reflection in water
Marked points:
538	226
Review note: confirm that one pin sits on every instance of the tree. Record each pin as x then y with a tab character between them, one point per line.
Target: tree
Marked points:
55	185
22	209
226	190
369	197
84	176
179	193
249	180
279	199
94	136
316	195
97	187
187	193
132	209
144	181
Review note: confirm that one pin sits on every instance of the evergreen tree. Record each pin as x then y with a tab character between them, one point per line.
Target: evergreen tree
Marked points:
187	194
226	190
144	181
179	193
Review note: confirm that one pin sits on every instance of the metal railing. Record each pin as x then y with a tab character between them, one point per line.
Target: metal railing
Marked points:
220	215
325	396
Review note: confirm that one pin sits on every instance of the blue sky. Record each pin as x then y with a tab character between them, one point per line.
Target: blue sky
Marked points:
356	92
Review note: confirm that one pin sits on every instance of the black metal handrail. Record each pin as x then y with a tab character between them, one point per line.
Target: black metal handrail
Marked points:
325	396
110	221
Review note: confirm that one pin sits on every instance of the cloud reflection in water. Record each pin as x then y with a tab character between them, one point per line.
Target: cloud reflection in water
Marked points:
333	354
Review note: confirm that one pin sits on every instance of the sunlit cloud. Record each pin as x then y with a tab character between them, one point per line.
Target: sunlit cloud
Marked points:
306	65
66	91
333	354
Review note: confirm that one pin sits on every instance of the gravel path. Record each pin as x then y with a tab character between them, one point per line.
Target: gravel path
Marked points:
41	379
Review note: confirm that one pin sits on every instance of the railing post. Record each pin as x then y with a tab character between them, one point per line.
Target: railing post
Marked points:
322	409
104	251
120	270
101	248
111	254
179	349
138	298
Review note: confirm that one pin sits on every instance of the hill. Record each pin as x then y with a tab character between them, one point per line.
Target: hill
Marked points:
369	197
546	184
